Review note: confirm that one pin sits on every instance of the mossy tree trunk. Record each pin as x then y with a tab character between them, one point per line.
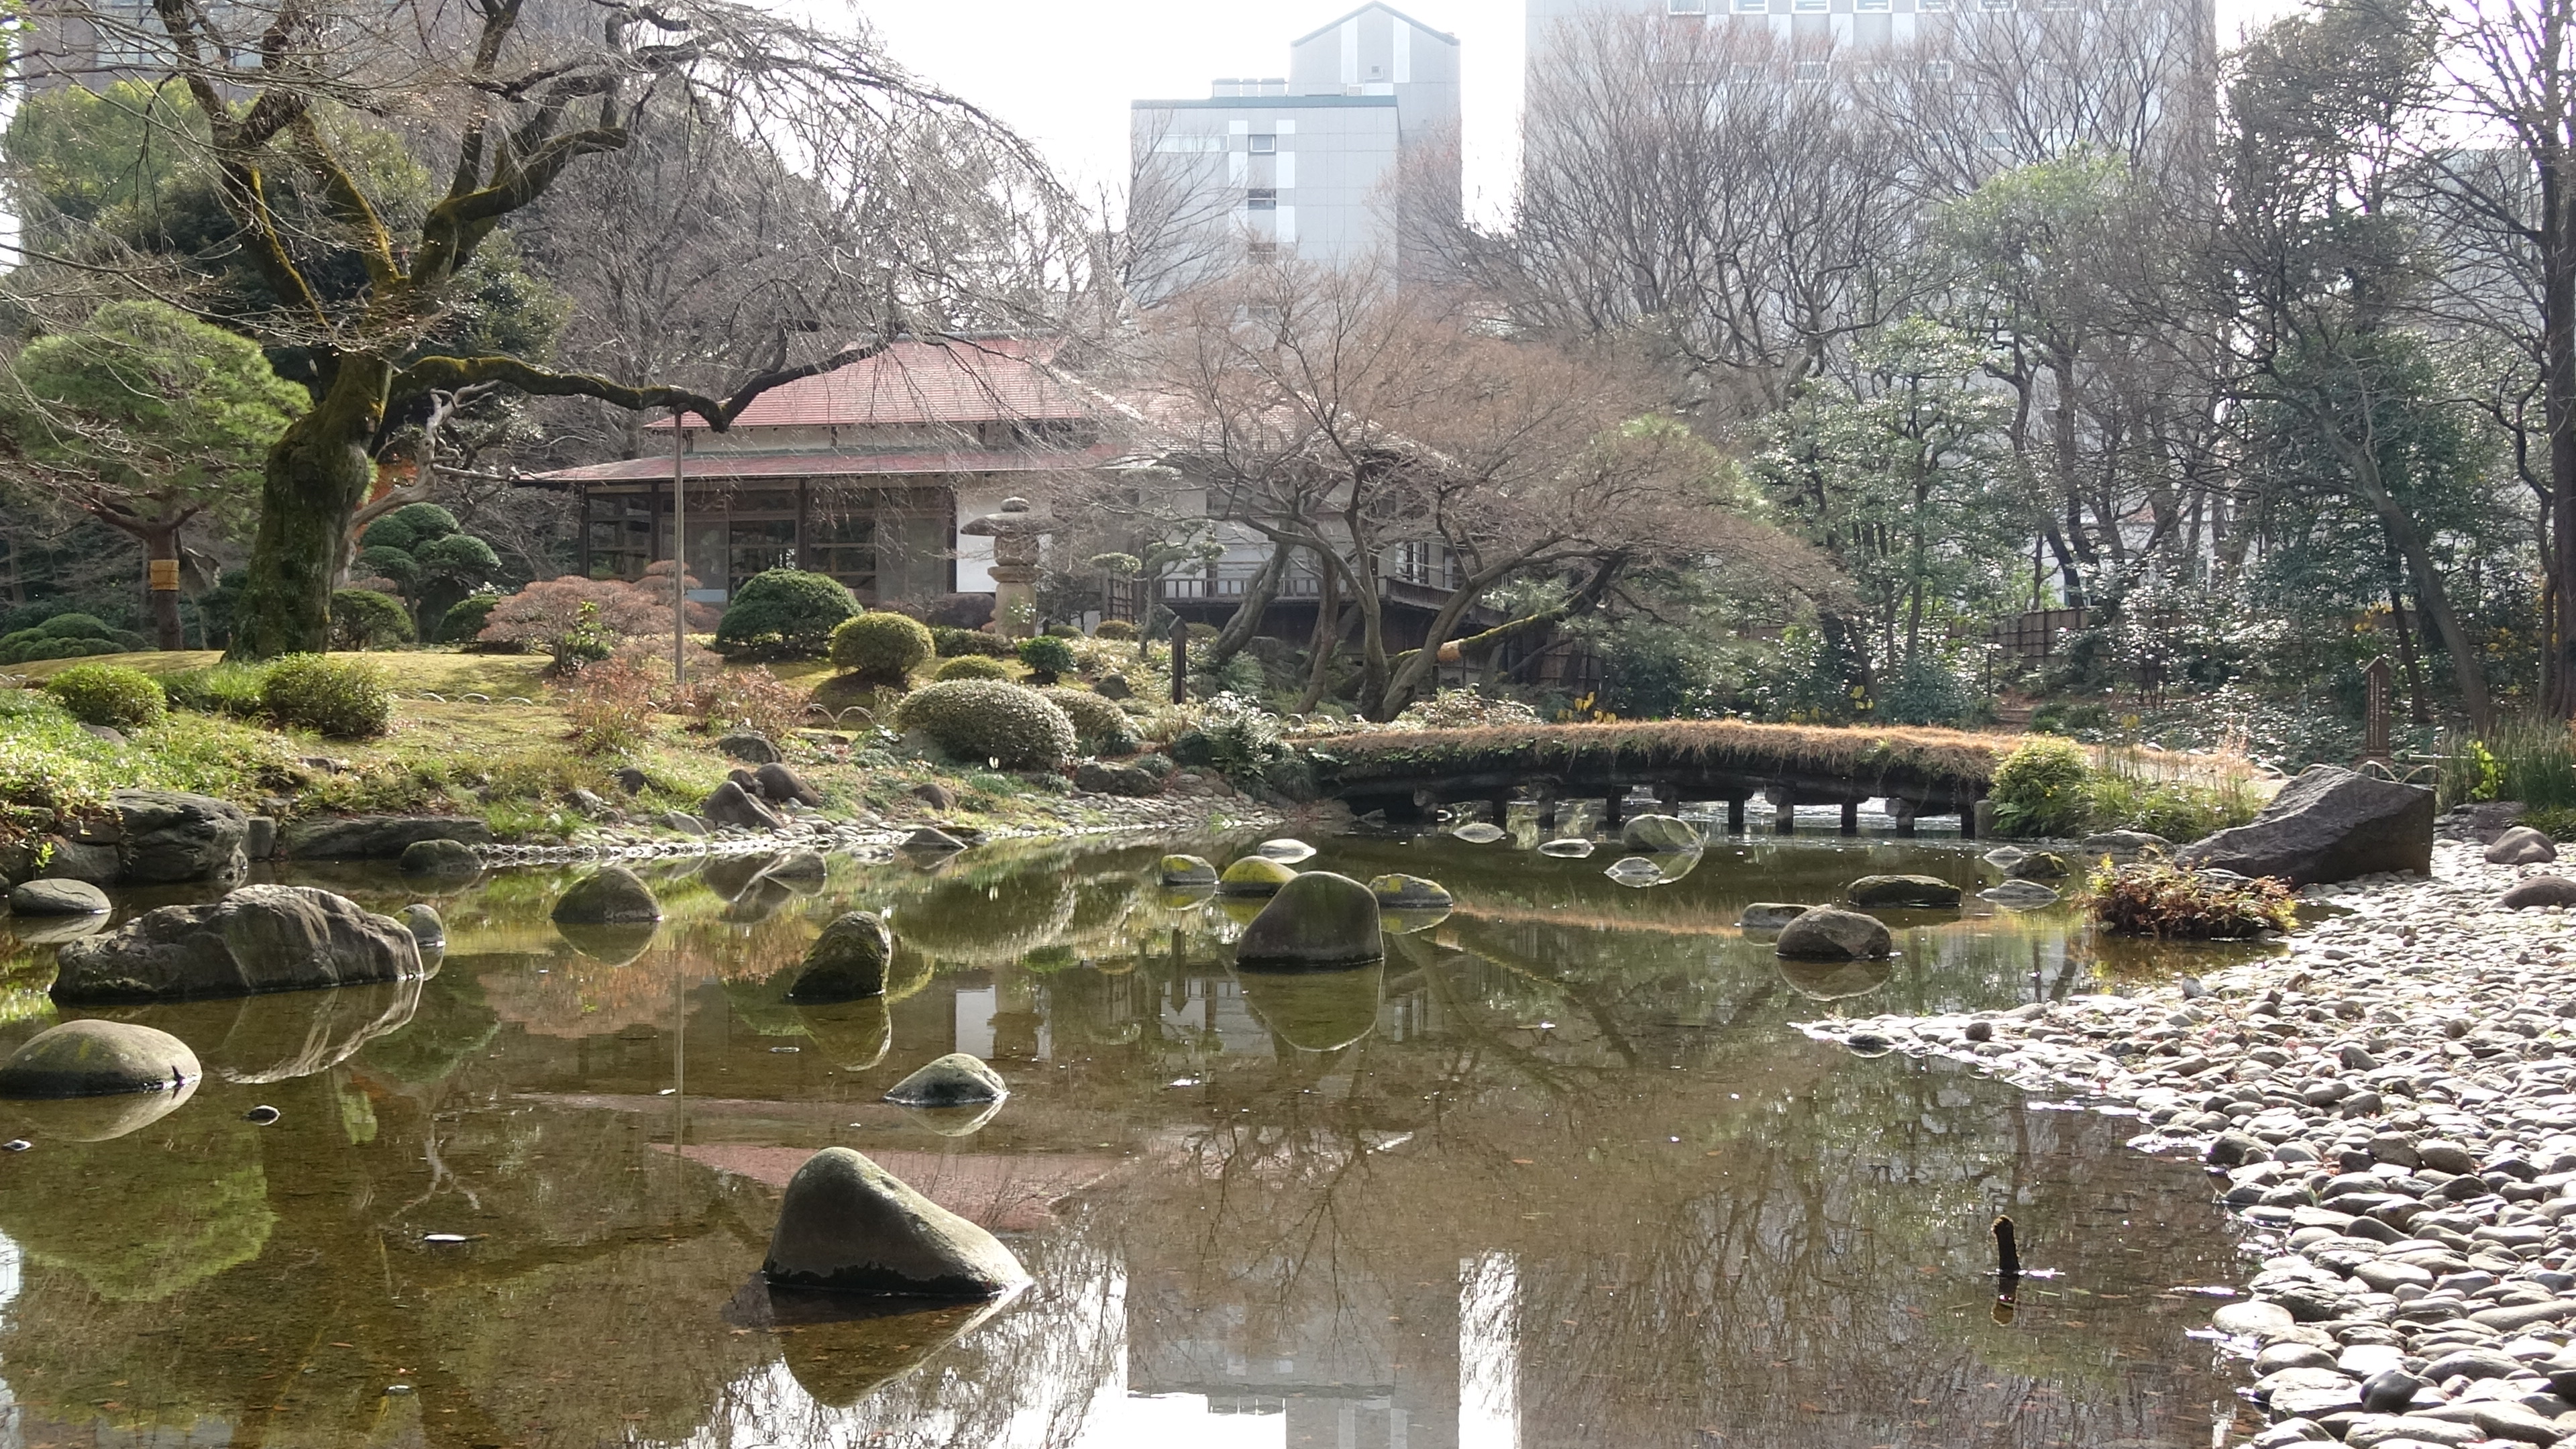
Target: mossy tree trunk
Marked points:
316	478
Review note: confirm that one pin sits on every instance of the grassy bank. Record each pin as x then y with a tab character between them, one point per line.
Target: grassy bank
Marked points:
1951	758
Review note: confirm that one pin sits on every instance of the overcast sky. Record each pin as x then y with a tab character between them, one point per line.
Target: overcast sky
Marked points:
1063	71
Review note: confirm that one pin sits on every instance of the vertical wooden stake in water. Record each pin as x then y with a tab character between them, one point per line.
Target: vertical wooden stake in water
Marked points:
2007	1257
2377	680
1180	661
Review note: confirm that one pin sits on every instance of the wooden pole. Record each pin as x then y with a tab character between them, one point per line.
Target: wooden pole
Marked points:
1180	661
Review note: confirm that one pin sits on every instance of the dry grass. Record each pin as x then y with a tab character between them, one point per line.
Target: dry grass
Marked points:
1957	756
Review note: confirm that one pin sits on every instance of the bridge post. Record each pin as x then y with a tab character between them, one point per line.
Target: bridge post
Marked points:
1851	817
1784	812
1968	812
1612	801
1735	817
1668	798
1501	804
1903	810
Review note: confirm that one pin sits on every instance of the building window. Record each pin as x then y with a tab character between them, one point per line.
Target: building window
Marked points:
1686	7
1189	145
1752	7
1811	7
1995	140
1931	7
1936	70
1867	7
1264	145
1259	250
1261	198
621	534
1811	70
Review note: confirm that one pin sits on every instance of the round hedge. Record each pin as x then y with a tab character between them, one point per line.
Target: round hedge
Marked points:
341	698
784	614
1113	629
109	695
1047	657
881	648
1100	724
366	619
986	719
963	643
972	666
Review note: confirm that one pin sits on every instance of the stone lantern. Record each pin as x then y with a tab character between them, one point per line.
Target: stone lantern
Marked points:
1017	533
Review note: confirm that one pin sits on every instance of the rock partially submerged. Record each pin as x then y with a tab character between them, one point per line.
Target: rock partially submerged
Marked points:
955	1080
1254	876
1479	833
171	836
440	857
376	837
1901	892
427	931
1401	892
1285	851
847	1225
1566	849
98	1059
2039	865
847	962
931	840
259	938
609	896
1769	915
1184	870
1318	921
2330	824
2020	895
1659	835
57	898
1826	933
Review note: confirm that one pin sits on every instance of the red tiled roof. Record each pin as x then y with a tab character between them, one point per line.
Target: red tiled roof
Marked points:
915	383
827	465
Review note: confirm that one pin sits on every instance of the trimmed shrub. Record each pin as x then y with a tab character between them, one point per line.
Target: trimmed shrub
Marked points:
109	695
66	636
232	689
410	526
963	643
986	719
365	619
465	618
881	649
1048	657
784	614
2039	788
1113	629
340	698
972	666
1101	726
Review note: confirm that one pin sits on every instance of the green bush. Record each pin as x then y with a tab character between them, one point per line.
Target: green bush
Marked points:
960	643
881	649
1113	629
1101	726
784	614
66	636
109	695
410	526
2175	904
587	642
1047	657
2039	788
340	698
465	618
365	619
985	719
232	689
972	666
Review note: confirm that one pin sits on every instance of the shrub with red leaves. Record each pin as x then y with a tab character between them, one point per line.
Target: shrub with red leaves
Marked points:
2170	903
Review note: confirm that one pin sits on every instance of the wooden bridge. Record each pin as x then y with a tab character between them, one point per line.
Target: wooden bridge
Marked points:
1919	772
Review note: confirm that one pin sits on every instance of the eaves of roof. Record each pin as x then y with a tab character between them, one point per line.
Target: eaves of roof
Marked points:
697	466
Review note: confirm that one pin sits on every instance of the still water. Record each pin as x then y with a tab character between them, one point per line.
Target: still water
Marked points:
1558	1174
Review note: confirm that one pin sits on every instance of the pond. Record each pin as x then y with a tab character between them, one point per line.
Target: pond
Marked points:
1559	1173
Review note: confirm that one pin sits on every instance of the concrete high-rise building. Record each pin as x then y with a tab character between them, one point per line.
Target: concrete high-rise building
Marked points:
1305	165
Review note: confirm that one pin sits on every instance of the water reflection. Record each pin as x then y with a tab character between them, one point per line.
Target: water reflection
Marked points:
1554	1173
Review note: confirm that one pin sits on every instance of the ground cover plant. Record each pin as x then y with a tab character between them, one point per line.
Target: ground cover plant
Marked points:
2171	903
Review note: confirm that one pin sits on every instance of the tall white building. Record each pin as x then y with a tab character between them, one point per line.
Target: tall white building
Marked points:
1305	165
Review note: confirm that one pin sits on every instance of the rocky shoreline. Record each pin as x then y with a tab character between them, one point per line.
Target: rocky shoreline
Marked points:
2389	1107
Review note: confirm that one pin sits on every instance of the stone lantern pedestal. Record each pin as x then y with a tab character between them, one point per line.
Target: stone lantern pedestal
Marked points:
1018	535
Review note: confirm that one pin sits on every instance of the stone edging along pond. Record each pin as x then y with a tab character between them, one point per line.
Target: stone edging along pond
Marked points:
2390	1108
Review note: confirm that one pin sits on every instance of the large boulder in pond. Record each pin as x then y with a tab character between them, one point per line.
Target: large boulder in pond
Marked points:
1659	834
1254	875
1316	1011
1902	892
1828	934
2329	824
57	898
376	837
846	962
1401	892
259	938
847	1225
1317	922
1184	871
98	1059
169	836
609	896
954	1080
450	858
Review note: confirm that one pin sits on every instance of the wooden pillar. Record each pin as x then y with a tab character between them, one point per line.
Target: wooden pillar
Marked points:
804	523
1735	817
1501	805
1669	797
581	563
1968	818
1612	807
1902	810
1784	807
1851	817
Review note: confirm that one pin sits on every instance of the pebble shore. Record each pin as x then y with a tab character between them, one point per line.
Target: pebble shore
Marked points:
2390	1109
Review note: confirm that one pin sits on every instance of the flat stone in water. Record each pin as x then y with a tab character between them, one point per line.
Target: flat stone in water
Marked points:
954	1080
57	898
1286	852
1566	849
93	1058
1899	891
1769	915
1479	833
2020	895
2251	1317
257	939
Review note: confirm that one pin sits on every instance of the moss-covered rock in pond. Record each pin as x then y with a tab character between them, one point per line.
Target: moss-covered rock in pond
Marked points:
848	1226
259	938
852	1035
1255	876
611	895
1828	934
1317	921
1316	1011
954	1080
1896	892
847	962
1659	834
73	898
1769	915
427	931
2039	865
98	1059
1184	870
441	858
1401	892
